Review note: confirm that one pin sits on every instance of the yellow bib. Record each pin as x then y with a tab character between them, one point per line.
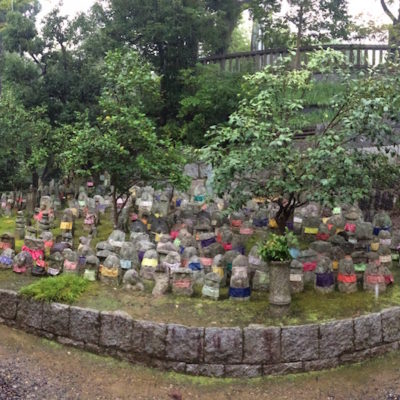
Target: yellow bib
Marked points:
311	231
149	262
66	225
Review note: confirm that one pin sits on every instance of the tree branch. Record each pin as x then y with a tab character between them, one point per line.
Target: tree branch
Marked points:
387	11
36	61
332	123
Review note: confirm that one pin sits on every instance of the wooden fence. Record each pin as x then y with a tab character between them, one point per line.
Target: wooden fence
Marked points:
359	55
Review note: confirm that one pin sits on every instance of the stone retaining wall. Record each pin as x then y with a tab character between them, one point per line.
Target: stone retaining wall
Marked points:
233	352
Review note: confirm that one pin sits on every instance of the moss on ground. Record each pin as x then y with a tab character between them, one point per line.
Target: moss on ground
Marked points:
307	307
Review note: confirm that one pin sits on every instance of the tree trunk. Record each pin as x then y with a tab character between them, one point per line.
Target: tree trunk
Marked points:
283	217
394	30
116	214
35	184
255	36
299	38
1	64
394	34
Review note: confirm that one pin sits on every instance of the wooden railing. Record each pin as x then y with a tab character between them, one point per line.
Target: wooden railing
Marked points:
359	55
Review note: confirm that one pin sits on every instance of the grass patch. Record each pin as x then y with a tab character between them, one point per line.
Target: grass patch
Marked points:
64	289
317	104
322	93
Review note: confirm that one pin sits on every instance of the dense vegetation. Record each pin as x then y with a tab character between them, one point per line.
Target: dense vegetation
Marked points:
120	88
256	152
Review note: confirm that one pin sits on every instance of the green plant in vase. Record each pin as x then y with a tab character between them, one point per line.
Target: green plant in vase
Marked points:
276	251
277	248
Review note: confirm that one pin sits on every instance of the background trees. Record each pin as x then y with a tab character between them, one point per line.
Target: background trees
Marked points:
124	141
256	154
129	112
304	22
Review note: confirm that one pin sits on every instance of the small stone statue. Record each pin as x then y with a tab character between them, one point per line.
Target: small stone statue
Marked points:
296	277
110	270
23	262
132	281
6	259
149	264
374	277
347	278
324	278
71	262
55	264
211	286
239	288
91	268
182	282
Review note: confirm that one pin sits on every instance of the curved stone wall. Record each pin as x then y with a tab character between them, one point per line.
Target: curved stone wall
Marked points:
233	352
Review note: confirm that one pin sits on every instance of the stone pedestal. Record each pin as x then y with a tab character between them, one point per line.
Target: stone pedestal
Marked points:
279	287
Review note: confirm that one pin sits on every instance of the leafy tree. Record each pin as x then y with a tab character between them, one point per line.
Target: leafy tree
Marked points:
394	30
171	35
8	10
240	40
368	29
167	33
256	154
24	135
268	25
209	96
318	19
124	141
226	18
67	79
313	21
51	71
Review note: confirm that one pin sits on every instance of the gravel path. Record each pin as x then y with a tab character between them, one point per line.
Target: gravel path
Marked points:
33	368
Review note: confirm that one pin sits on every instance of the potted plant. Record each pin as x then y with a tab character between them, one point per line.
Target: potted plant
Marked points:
276	252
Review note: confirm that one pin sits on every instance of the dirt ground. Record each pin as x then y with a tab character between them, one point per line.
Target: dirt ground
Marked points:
33	368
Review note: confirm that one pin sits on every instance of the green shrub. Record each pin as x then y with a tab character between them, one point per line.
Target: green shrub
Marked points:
63	289
276	247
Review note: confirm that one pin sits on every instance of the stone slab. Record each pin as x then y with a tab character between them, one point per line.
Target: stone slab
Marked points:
367	331
56	318
184	343
243	371
318	365
282	368
223	345
336	338
29	313
299	343
210	370
391	324
84	325
116	330
261	345
148	338
8	304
